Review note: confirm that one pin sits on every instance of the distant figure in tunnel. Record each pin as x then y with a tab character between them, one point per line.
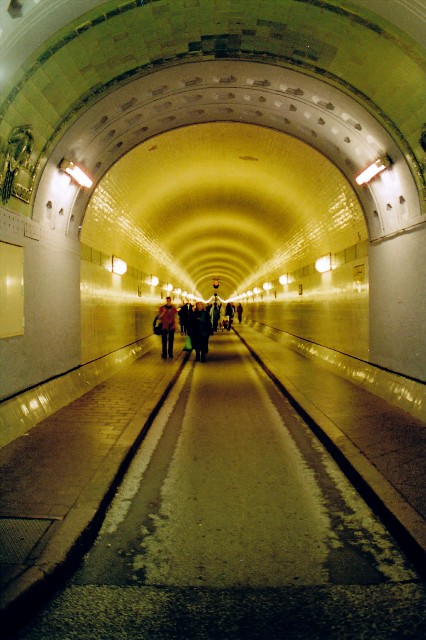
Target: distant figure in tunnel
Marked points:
200	330
215	316
239	311
167	316
229	312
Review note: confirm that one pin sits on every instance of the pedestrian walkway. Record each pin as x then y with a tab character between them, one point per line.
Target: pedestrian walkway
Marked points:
57	481
380	446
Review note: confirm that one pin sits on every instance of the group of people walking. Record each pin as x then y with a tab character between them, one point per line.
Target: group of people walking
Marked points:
198	321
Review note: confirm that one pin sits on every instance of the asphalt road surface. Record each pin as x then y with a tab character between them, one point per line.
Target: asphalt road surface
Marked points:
233	522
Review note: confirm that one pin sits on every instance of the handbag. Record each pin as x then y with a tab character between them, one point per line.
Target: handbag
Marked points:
157	327
188	344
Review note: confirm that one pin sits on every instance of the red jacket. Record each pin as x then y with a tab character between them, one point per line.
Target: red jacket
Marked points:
167	317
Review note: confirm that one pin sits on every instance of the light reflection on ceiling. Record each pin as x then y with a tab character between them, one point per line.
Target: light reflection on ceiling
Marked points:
202	208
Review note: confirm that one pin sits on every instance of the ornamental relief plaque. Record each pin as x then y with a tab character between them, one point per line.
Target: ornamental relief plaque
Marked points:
16	172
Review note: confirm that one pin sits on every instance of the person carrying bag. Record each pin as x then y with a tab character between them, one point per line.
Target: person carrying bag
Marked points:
167	316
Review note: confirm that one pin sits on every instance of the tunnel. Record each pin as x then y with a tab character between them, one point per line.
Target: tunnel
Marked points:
268	154
223	146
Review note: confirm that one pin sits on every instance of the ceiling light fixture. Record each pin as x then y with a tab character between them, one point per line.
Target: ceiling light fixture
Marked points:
76	173
373	170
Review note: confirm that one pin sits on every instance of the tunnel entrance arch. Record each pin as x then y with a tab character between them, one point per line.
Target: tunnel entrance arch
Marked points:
336	120
305	108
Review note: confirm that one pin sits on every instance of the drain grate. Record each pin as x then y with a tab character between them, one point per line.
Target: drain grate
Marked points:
18	536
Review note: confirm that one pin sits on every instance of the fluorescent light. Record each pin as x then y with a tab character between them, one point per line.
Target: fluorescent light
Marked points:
118	266
76	173
370	172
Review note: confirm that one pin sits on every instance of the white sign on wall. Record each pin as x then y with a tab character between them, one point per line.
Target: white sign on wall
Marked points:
11	290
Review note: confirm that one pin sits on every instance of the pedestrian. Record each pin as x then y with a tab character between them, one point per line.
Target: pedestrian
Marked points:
200	330
229	312
215	316
184	312
239	311
167	316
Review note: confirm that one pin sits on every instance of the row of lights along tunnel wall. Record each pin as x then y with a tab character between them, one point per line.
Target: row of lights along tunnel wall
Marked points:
119	266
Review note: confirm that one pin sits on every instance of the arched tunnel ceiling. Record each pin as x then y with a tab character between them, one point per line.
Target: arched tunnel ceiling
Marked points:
234	202
342	44
339	76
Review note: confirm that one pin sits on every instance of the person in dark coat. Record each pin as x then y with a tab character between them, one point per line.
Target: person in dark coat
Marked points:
200	330
229	311
184	312
215	316
239	311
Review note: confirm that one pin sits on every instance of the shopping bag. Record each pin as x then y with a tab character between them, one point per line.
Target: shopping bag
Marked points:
188	344
157	326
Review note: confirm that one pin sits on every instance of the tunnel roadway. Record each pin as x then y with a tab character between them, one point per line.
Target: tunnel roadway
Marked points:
234	522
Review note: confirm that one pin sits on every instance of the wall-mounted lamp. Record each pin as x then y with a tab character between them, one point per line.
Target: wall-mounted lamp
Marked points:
283	279
118	266
76	173
153	281
373	170
324	264
15	9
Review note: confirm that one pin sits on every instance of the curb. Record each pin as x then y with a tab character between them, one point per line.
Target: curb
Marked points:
73	536
402	520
